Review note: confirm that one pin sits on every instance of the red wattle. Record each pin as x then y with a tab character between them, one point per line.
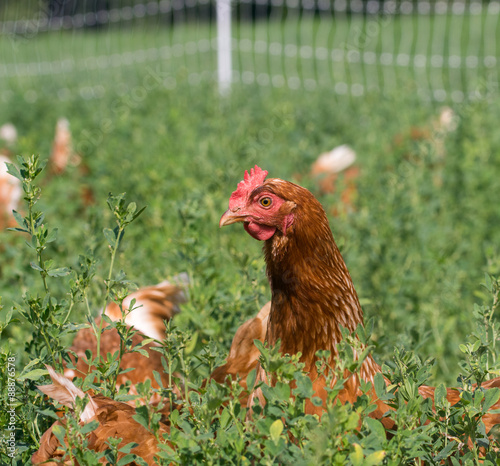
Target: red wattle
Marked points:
260	232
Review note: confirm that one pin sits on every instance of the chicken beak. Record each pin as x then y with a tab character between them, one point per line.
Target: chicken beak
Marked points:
229	217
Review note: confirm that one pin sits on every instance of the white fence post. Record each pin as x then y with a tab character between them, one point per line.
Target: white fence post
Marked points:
224	63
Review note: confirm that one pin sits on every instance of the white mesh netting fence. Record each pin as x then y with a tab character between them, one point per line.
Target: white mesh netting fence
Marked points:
443	50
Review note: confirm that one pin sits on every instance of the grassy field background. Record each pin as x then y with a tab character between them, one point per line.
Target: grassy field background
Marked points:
417	250
424	231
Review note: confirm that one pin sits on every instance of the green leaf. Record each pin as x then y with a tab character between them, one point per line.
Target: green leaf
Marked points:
128	447
33	375
139	212
60	432
89	427
59	272
282	391
304	386
49	413
376	427
127	459
14	171
141	351
110	236
51	236
476	345
35	266
39	221
445	452
142	416
8	316
32	363
21	230
252	375
381	387
375	458
440	395
488	283
131	209
20	219
490	398
275	430
317	401
158	379
357	456
225	417
478	398
174	416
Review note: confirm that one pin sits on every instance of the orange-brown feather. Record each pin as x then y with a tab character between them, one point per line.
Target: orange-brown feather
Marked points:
115	420
243	354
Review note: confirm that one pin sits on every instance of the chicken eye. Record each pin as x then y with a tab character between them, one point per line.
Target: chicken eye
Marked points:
266	201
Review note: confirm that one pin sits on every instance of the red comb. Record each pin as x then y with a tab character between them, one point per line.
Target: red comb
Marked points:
245	187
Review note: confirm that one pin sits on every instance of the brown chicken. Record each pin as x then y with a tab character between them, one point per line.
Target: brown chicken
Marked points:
154	305
115	420
243	354
312	291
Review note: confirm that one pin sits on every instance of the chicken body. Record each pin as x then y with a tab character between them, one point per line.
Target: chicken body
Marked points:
243	354
312	290
115	420
153	306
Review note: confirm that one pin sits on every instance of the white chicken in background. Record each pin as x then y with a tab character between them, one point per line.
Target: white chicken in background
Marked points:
8	134
332	166
10	187
11	192
335	161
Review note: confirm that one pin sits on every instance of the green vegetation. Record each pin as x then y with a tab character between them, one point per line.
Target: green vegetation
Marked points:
424	232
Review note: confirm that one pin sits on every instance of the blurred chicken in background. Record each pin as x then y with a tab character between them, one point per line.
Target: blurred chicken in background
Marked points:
337	168
62	150
64	156
8	137
433	135
10	187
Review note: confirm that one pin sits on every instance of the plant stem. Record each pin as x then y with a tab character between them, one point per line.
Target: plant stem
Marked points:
68	313
41	264
47	344
170	381
186	375
30	432
38	246
110	274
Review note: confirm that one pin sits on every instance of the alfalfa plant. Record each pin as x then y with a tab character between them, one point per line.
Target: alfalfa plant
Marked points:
48	314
